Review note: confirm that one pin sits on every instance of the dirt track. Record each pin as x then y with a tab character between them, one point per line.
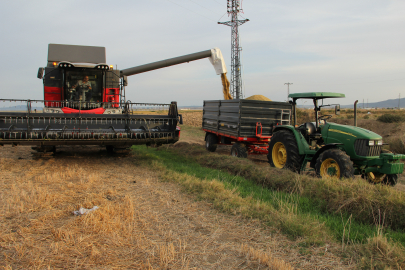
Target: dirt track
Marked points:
171	229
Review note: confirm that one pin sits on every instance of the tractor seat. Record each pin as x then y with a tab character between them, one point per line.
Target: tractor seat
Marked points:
308	130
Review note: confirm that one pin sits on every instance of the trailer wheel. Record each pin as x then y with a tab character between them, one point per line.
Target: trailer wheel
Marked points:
334	163
283	151
239	150
211	142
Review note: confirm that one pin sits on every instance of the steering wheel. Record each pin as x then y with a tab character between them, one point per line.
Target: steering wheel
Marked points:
325	117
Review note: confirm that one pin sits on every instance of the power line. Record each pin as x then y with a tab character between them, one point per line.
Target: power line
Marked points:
191	10
203	7
218	3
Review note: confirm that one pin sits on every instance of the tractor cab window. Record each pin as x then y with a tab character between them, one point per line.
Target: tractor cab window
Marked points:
84	86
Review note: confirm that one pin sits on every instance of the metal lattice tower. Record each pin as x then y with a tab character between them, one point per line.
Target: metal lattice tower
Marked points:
233	8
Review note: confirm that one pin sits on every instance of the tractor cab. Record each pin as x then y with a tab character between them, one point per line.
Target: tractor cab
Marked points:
312	130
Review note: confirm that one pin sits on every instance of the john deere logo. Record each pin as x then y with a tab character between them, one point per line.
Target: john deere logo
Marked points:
341	132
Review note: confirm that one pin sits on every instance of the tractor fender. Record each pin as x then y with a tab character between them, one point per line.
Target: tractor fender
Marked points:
302	144
320	151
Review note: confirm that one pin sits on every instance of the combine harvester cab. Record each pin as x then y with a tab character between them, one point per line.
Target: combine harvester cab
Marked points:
84	104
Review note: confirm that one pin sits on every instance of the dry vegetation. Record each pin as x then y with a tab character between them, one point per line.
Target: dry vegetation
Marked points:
142	223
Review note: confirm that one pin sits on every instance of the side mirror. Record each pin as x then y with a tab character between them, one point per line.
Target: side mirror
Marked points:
40	73
337	109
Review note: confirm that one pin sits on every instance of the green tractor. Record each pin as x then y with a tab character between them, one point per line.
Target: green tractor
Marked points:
333	150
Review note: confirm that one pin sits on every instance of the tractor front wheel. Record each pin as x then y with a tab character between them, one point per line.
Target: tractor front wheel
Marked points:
380	178
239	150
211	142
283	151
391	179
334	163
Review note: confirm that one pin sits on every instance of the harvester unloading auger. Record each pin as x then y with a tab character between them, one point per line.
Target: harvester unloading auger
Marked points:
84	103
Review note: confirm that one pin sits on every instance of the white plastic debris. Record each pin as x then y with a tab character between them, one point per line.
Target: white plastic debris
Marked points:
217	60
84	211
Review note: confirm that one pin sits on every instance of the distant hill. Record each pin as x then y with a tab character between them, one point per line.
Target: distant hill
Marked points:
389	103
19	108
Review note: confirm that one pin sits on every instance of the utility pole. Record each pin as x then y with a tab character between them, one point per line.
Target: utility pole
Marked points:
233	9
288	89
399	101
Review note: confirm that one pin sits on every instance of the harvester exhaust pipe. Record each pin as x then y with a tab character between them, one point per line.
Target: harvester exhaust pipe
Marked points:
214	55
355	113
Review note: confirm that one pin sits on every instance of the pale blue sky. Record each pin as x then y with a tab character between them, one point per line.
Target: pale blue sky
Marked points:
354	47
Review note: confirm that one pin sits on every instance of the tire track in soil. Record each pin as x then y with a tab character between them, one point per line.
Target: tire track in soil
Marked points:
204	237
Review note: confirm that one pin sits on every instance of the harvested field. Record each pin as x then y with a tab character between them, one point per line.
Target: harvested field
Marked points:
141	222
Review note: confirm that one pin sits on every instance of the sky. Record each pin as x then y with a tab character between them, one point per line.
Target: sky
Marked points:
354	47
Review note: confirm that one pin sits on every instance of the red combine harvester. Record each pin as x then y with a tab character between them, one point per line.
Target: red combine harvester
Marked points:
84	104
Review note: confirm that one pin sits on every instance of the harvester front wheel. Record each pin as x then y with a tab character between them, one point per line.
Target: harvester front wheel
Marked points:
110	149
283	151
211	142
334	163
239	150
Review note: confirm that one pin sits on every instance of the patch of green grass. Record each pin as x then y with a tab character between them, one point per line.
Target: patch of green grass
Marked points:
343	227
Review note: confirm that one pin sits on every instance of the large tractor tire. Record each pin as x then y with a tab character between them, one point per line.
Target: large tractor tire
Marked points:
211	142
239	150
283	151
334	163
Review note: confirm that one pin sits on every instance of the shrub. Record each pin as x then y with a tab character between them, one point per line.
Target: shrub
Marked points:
390	118
349	116
397	146
366	116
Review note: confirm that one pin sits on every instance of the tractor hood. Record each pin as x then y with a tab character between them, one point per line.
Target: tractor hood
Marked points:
336	133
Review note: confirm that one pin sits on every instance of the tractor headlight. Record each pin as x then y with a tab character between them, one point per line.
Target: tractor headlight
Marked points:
380	142
370	143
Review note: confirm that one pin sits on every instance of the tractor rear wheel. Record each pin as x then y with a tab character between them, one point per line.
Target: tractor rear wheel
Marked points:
211	142
283	151
239	150
334	163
